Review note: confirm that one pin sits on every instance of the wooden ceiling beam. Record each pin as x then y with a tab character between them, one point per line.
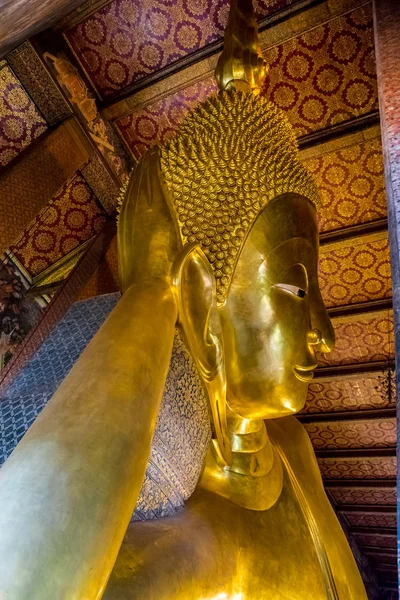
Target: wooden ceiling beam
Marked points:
356	369
367	508
339	130
336	235
360	483
381	551
360	307
356	453
348	415
384	531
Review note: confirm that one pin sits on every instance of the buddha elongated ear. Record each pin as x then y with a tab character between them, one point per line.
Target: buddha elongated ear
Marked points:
199	320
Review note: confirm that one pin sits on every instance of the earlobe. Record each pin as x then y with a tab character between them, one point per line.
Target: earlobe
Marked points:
198	317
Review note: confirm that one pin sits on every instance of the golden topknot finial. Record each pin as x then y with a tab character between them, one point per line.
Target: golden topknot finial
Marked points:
241	65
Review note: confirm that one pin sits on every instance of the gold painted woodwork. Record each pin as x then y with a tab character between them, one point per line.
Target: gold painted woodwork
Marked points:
259	526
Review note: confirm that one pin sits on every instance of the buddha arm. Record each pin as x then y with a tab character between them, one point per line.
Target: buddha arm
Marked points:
68	490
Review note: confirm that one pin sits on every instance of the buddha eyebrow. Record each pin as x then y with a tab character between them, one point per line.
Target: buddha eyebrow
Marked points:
292	289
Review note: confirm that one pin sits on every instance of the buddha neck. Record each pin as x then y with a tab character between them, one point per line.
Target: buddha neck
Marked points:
254	477
252	452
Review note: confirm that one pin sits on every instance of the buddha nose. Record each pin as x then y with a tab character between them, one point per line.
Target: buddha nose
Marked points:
324	341
314	337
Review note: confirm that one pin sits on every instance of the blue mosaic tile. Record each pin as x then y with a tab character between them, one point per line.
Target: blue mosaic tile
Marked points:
37	382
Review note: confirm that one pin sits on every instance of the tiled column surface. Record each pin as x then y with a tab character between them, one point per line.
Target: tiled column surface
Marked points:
387	47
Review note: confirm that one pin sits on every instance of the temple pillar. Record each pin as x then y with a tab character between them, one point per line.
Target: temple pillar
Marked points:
387	48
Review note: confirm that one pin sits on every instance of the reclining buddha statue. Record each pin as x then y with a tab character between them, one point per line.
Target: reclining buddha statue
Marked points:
217	240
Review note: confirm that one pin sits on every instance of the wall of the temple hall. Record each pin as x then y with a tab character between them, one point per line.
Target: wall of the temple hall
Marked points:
105	279
31	181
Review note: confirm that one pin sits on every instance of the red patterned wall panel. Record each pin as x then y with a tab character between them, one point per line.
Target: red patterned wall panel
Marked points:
358	468
372	519
350	180
373	496
71	217
326	75
129	39
377	540
33	181
20	121
157	122
368	433
361	339
355	270
340	395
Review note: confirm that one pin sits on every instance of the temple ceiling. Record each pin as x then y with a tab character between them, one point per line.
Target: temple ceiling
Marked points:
145	65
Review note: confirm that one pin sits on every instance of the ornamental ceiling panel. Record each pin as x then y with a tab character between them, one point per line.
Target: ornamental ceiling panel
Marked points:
127	40
329	71
350	180
33	181
72	217
368	433
20	121
360	339
355	270
377	540
373	496
338	395
372	467
158	121
370	519
327	75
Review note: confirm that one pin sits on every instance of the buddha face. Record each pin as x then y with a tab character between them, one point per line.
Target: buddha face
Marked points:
274	319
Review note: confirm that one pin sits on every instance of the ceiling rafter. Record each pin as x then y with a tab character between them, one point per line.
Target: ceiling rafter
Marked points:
383	531
334	131
360	308
349	415
344	453
366	508
329	237
334	371
361	483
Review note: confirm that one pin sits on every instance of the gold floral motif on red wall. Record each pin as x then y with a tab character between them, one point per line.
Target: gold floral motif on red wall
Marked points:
368	433
360	339
358	468
20	121
326	75
355	270
340	395
158	121
125	41
364	495
350	181
71	217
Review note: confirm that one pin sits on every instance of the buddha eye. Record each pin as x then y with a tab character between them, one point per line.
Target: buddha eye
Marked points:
291	289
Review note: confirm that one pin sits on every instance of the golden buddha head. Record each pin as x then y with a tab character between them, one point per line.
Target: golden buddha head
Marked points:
239	191
237	237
